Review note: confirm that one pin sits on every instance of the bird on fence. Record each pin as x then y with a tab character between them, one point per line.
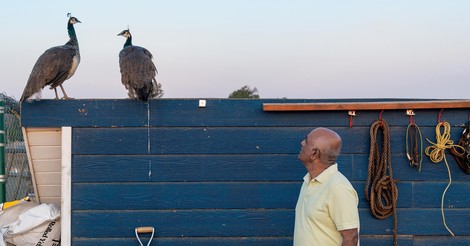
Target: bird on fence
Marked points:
55	65
138	71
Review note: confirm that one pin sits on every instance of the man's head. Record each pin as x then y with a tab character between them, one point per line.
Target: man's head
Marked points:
322	145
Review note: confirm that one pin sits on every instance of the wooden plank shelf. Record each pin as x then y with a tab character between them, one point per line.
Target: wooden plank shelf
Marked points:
390	105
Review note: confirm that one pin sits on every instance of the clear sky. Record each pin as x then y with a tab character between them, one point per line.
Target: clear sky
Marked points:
285	48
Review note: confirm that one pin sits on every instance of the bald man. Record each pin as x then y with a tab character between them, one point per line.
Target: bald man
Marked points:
326	211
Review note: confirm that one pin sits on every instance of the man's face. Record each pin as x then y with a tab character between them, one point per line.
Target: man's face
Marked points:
306	149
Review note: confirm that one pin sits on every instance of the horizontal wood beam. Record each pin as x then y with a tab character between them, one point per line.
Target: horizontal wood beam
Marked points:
437	104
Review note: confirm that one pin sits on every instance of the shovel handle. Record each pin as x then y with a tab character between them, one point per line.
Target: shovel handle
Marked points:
145	229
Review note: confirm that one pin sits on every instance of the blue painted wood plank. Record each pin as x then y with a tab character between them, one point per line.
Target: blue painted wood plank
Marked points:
429	195
429	222
236	113
89	113
156	196
187	140
441	240
402	240
183	241
228	140
273	140
373	226
256	140
274	241
215	223
249	140
404	172
127	140
191	168
185	223
417	221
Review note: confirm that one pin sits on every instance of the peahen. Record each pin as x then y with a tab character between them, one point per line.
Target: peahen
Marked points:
55	65
138	71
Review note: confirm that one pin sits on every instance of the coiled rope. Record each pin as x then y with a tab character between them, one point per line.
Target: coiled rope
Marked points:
381	191
436	153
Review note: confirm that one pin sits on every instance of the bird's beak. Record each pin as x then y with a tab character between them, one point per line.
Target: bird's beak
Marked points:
78	21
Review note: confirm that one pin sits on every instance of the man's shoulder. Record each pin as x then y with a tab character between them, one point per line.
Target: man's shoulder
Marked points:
339	179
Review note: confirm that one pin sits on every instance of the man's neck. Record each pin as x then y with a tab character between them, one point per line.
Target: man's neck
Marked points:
315	170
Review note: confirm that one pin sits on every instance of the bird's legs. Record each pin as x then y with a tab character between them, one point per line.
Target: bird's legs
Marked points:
65	94
56	96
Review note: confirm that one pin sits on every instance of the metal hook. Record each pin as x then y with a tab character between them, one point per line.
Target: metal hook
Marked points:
380	118
439	117
410	113
351	113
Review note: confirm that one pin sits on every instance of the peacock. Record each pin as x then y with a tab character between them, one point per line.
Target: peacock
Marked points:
55	65
138	71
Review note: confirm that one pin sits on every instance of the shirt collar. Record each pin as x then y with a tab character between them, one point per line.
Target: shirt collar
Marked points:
324	176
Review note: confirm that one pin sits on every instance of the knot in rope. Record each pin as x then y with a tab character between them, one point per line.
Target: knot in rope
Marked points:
436	151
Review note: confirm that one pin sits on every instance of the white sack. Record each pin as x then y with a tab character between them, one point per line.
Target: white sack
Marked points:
39	225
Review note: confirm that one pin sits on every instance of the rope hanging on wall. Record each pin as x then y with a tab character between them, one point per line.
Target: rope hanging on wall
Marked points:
381	191
463	157
436	153
414	144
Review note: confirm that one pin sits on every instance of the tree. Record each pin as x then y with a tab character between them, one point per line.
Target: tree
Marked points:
245	92
159	93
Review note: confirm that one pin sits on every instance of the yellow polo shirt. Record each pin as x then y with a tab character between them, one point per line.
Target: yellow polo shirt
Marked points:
326	205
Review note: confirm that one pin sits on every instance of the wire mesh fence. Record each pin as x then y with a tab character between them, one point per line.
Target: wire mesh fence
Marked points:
18	176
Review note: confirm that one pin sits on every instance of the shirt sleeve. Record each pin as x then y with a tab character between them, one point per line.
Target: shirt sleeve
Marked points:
343	207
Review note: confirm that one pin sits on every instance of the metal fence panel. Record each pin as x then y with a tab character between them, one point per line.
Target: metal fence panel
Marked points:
18	176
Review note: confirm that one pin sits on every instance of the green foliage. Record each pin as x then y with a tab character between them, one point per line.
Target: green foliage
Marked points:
160	92
245	92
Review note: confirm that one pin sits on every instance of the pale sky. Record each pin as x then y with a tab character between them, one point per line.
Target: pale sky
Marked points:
285	48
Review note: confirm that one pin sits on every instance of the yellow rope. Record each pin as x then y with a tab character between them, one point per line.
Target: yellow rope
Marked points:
436	153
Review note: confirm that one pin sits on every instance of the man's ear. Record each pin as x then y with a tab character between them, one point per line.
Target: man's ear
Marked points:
314	154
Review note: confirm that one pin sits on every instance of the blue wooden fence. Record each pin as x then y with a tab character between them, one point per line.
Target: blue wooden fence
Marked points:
228	174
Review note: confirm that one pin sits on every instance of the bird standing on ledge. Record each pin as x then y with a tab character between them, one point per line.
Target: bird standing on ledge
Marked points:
56	65
137	70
